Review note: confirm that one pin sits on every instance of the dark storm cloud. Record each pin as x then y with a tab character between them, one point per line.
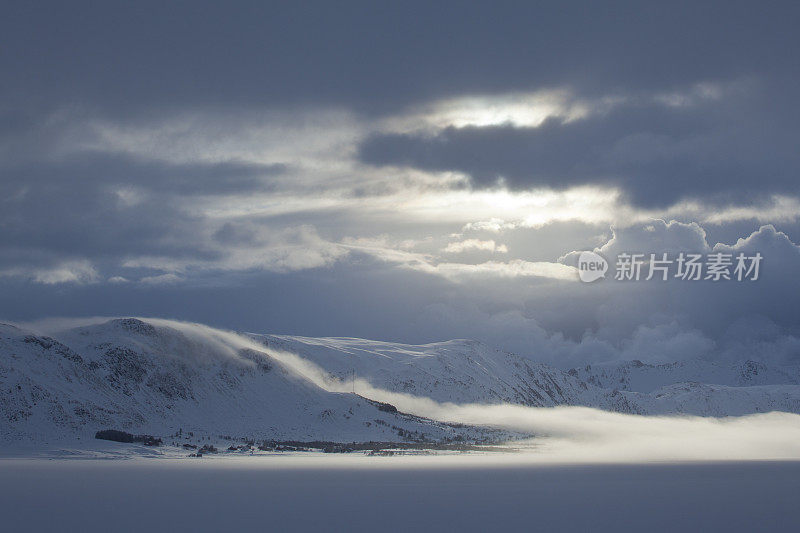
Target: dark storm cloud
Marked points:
160	75
143	59
112	206
98	169
375	55
732	149
567	324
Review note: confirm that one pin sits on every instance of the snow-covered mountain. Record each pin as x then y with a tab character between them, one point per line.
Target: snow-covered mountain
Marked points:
465	371
457	371
161	377
707	399
699	387
641	377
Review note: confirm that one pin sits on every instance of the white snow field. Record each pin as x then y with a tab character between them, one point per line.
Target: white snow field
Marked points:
356	494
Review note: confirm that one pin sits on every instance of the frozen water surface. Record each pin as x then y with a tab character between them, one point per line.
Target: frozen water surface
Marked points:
317	492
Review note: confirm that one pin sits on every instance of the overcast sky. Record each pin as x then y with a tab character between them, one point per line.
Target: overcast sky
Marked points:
405	171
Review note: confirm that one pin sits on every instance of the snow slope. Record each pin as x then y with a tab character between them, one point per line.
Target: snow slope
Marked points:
158	378
161	377
457	371
642	377
465	371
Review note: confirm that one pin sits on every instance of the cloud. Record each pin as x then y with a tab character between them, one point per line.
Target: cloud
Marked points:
262	162
102	206
516	109
657	236
280	250
570	324
116	172
666	343
75	271
494	225
68	272
512	269
211	56
183	191
535	308
464	271
475	244
658	151
249	246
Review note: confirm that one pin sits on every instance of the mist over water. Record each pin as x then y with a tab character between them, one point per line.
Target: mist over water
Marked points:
569	433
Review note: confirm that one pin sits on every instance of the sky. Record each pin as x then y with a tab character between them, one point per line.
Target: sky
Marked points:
405	171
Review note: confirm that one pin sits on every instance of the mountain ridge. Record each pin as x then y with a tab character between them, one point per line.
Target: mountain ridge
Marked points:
160	377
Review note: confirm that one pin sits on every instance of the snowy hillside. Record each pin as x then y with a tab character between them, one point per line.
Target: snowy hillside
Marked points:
642	377
718	400
698	387
464	371
160	378
458	371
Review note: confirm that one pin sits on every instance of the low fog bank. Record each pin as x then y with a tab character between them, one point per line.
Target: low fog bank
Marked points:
584	434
